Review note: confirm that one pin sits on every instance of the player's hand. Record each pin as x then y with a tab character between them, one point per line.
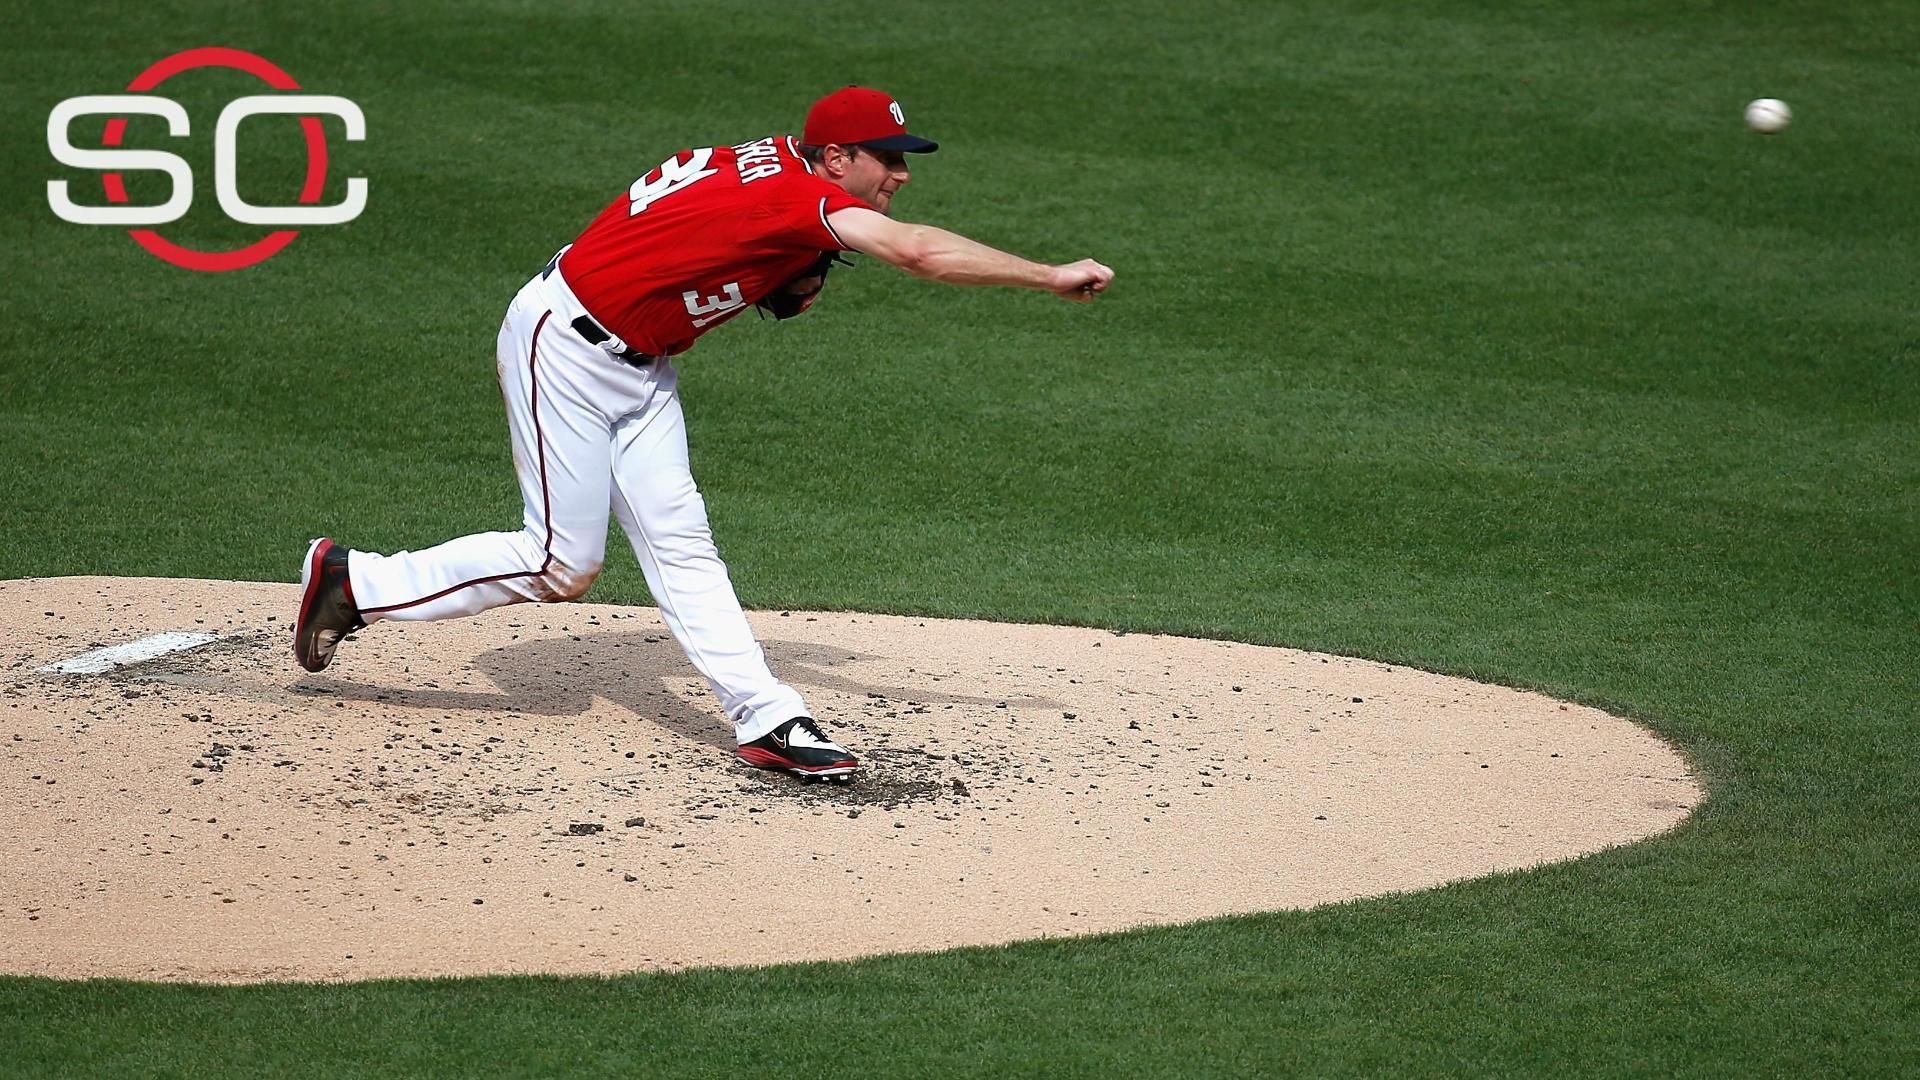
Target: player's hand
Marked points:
1079	281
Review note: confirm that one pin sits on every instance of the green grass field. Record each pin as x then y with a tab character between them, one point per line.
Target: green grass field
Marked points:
1480	338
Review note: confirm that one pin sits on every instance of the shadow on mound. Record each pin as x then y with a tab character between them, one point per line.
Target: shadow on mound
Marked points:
551	677
633	670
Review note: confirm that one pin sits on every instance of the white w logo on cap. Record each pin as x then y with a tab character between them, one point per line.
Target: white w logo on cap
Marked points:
893	109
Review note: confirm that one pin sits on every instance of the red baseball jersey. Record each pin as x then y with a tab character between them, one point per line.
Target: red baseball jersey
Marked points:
701	238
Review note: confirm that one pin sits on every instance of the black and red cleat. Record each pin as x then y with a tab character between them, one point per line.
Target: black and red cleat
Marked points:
327	611
801	748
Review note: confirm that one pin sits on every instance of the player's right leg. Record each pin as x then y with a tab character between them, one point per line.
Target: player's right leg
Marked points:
562	453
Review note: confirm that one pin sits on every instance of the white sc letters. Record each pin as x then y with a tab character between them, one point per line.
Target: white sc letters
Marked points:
225	155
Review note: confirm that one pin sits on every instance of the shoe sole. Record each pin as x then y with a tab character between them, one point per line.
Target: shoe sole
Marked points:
309	588
765	759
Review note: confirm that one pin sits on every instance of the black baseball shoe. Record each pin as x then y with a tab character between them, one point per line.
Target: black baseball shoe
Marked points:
799	747
327	611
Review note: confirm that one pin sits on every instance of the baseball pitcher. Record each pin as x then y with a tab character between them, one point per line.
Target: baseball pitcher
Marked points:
585	365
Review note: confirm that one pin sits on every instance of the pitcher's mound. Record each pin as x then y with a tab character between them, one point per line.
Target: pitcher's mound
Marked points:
551	789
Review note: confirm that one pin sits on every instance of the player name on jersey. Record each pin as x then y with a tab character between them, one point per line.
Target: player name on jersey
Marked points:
757	160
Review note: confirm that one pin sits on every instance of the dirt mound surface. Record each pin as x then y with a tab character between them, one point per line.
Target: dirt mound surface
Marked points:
551	789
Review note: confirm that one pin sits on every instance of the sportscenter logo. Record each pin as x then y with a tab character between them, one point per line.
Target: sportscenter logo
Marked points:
225	172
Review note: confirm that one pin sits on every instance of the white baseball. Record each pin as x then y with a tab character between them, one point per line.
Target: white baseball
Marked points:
1768	115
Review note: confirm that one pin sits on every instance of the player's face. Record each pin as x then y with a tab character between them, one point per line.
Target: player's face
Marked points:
874	175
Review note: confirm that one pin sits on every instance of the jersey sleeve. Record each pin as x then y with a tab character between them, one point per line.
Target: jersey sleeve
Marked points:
831	202
797	218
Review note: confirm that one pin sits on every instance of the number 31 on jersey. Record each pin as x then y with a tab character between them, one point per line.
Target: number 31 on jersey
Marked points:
673	174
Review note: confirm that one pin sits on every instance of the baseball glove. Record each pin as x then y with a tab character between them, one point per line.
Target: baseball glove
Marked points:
797	295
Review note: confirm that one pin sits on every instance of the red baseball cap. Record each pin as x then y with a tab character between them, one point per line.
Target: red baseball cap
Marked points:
859	116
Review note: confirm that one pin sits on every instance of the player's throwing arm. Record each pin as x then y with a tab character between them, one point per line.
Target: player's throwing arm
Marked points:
938	255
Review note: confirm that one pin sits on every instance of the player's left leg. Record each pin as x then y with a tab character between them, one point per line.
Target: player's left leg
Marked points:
661	511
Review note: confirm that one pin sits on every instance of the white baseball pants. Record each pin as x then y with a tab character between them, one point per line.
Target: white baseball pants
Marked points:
590	433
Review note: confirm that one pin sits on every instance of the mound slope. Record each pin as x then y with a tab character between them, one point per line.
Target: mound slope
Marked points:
551	789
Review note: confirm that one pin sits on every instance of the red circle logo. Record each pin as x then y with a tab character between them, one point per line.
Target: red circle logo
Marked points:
264	70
